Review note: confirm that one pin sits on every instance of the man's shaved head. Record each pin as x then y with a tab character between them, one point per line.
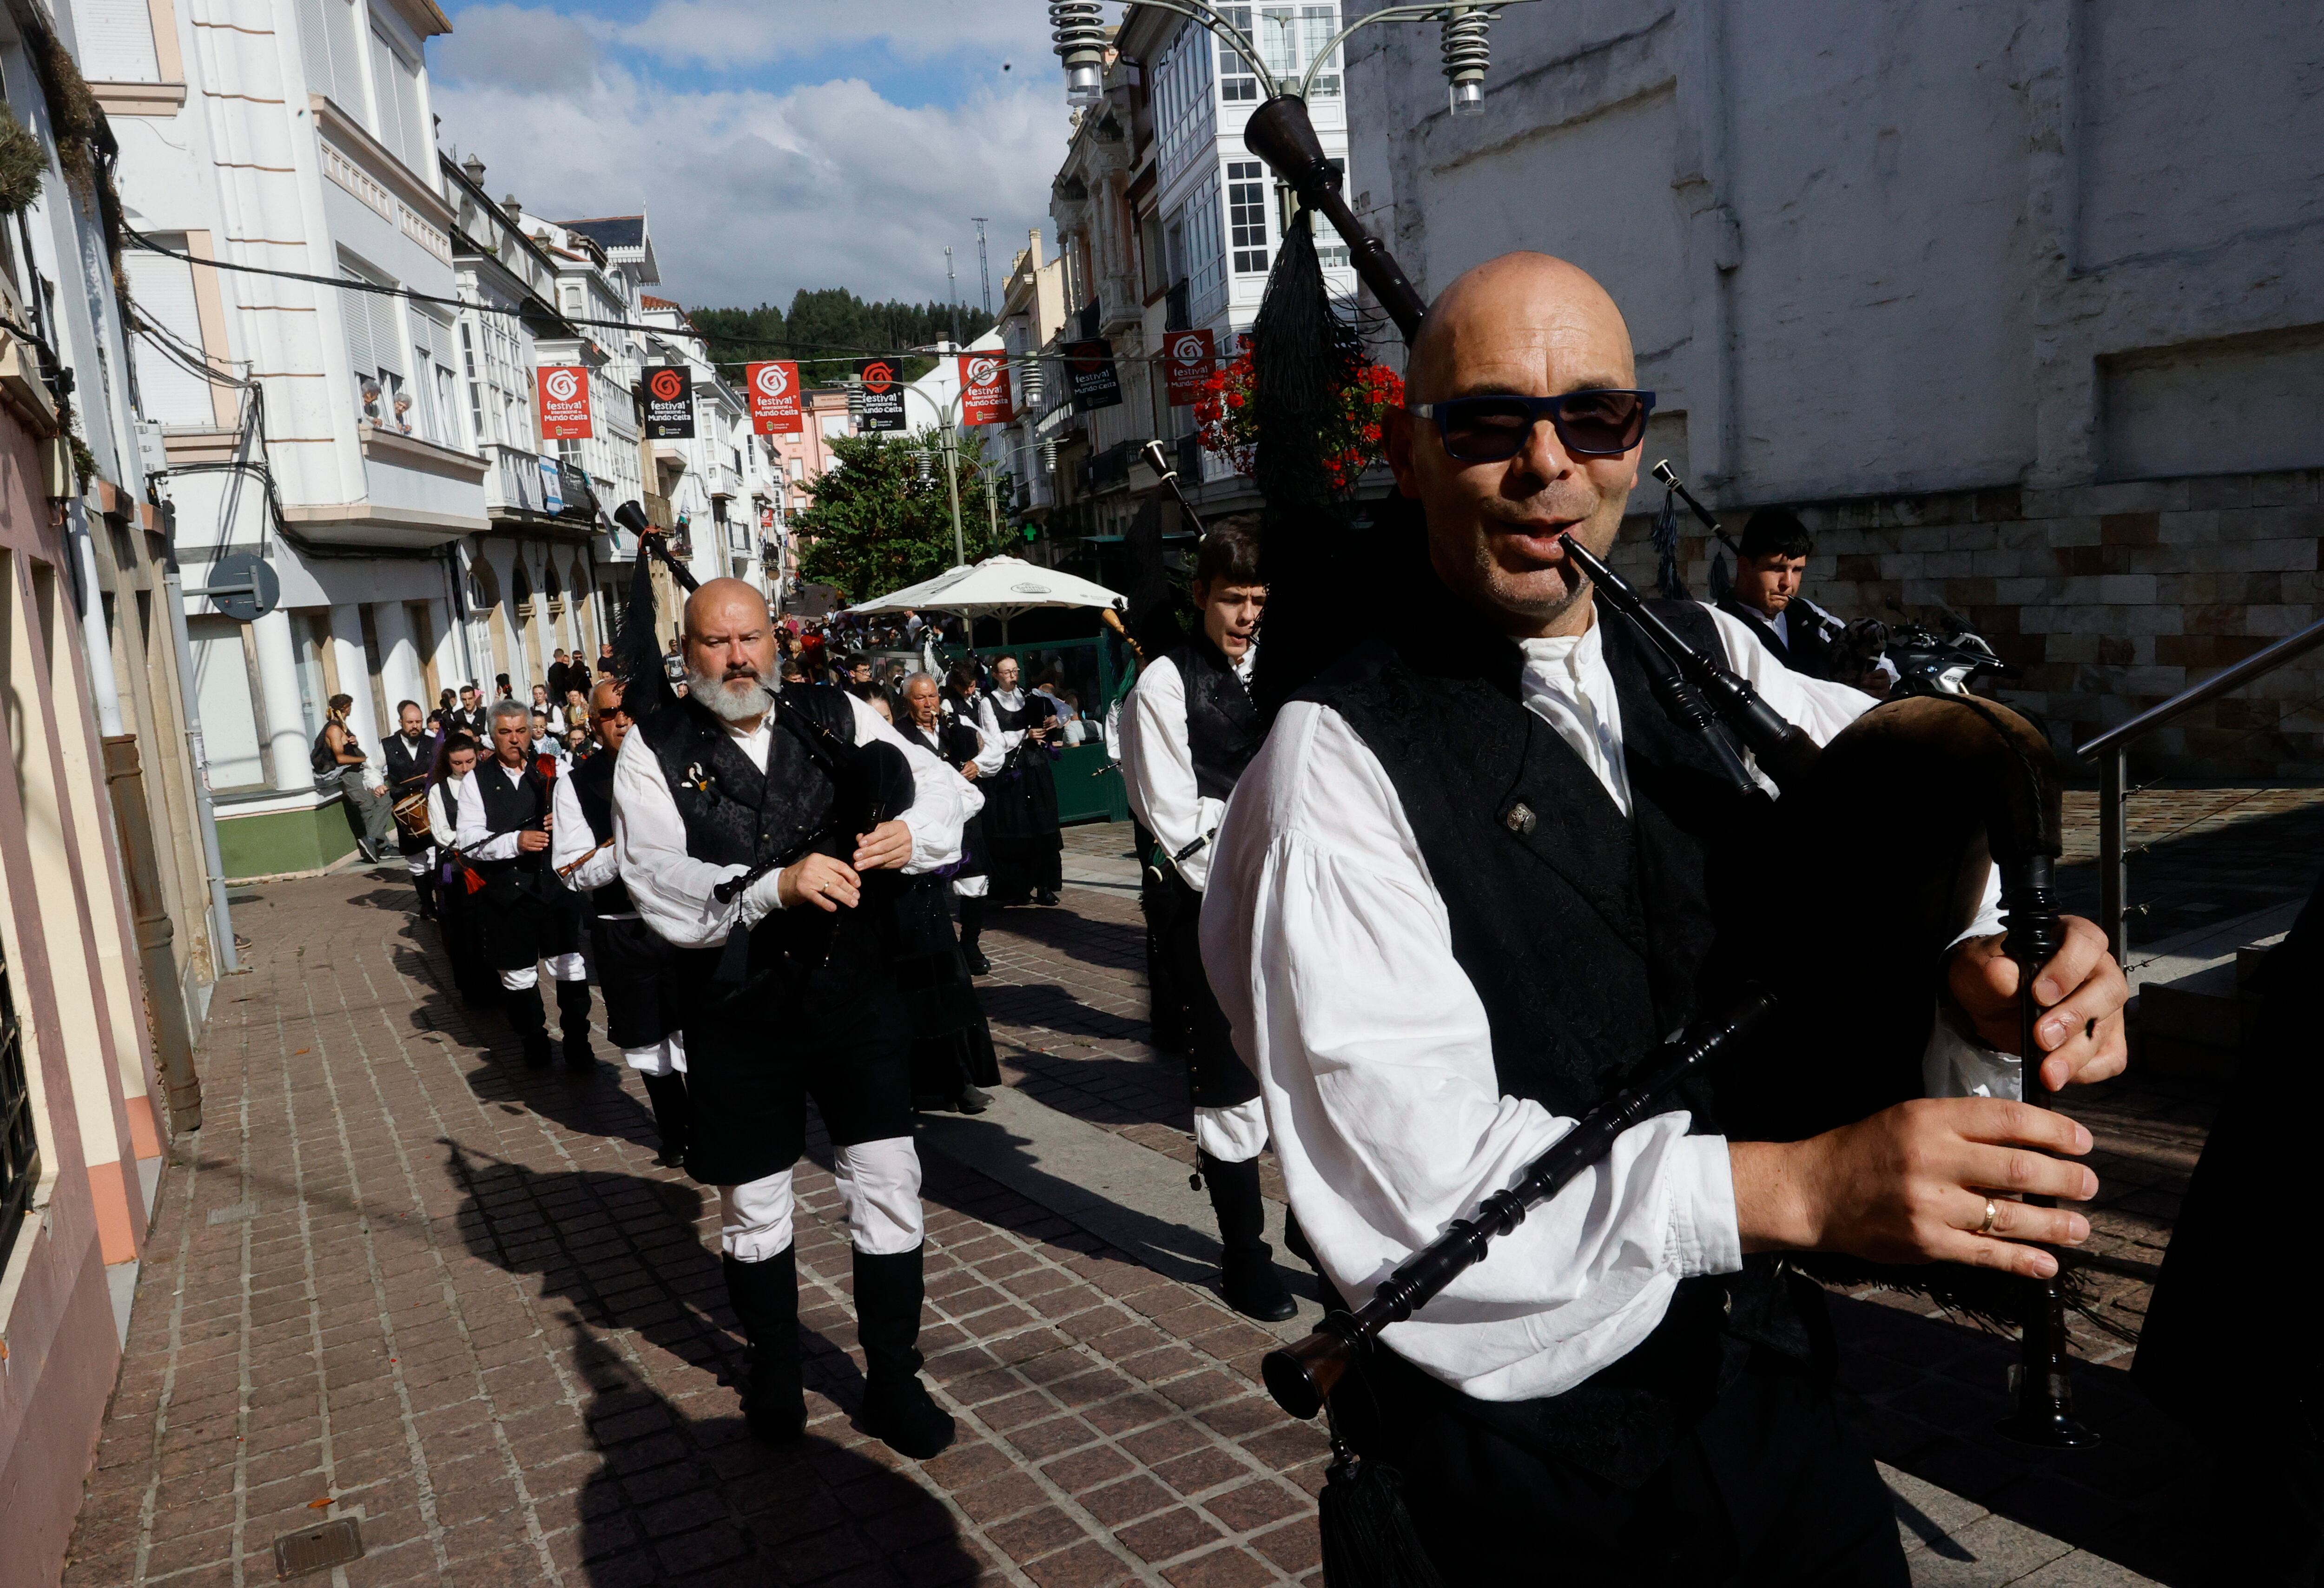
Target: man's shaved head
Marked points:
1523	324
730	651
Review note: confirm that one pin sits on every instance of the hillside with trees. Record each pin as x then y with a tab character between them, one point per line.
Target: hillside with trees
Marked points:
829	328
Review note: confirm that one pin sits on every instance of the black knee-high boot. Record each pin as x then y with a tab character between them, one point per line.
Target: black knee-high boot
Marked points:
671	1115
897	1408
573	1024
424	884
527	1018
1246	1276
972	928
765	1298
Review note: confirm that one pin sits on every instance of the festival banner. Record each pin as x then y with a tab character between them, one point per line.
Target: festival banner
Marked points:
1089	367
1188	358
775	399
563	390
985	398
670	404
884	394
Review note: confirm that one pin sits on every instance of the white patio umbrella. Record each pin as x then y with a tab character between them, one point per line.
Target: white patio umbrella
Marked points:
998	588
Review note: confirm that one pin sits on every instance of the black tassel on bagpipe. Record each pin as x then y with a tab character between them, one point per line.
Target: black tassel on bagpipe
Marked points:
1369	1538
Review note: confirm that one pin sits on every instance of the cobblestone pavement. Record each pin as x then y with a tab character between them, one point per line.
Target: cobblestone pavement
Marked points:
399	1278
2198	855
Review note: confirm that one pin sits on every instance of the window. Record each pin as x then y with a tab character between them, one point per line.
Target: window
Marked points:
1184	117
1247	216
117	41
1205	256
395	93
1317	23
330	46
20	1145
169	388
1236	84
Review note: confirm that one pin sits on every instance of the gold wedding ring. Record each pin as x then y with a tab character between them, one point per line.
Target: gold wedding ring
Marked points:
1992	1212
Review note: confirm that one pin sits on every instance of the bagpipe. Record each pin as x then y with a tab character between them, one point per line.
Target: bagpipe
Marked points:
1906	809
871	784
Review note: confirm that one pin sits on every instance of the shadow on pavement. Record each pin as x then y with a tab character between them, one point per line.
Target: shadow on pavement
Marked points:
675	1496
1066	931
1052	1008
1928	1393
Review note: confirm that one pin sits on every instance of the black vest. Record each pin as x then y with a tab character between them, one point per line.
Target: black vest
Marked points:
514	808
1222	728
738	814
1036	710
1589	937
1807	652
592	785
407	766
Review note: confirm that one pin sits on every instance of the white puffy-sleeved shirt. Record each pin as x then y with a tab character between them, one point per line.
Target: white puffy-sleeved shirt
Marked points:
1330	952
475	834
444	811
1157	766
674	892
572	843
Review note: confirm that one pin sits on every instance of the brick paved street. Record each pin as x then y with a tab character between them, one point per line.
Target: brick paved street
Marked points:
399	1277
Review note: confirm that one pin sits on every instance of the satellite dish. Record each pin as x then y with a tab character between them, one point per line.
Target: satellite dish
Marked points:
243	587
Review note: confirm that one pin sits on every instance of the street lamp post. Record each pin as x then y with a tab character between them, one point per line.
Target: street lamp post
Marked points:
948	441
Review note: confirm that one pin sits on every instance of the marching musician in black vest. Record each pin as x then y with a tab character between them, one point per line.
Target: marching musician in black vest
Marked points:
1468	880
456	916
1771	560
409	756
1188	729
787	985
505	815
1020	817
953	1059
634	965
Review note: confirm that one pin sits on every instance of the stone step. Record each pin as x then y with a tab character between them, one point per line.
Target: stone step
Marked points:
2195	1025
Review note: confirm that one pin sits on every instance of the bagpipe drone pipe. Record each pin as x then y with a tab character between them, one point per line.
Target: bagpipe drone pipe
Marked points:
1887	832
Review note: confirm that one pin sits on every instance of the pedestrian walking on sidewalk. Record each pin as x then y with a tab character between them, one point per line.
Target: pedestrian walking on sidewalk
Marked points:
505	819
339	760
634	966
1187	732
953	1059
1022	799
734	845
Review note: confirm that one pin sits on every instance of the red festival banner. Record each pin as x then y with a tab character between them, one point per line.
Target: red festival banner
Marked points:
564	392
984	390
775	399
1188	357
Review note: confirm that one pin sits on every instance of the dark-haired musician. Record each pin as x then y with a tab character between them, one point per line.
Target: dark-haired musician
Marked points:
633	964
1187	731
505	815
723	784
1464	883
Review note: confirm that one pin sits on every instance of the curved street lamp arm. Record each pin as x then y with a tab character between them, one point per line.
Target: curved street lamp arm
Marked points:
1239	41
1435	13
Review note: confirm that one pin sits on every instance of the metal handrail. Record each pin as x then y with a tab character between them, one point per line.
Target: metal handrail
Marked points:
2111	752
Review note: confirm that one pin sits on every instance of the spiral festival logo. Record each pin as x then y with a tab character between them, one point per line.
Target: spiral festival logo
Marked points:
1190	354
670	404
563	391
984	390
879	375
882	394
774	390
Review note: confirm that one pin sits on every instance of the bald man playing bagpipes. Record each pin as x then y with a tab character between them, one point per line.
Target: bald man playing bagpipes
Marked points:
1478	870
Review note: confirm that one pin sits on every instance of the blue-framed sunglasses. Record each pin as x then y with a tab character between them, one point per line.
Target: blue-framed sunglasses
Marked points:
1495	428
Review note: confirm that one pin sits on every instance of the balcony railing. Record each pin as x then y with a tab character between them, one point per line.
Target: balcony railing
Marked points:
522	484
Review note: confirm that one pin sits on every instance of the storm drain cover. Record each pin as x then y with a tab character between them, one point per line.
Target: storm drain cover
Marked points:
317	1549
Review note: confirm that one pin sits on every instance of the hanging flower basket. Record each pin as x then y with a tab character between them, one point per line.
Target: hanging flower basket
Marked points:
1226	413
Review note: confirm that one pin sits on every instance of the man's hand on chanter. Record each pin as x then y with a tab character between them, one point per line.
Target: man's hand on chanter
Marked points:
1914	1184
2082	991
822	881
885	848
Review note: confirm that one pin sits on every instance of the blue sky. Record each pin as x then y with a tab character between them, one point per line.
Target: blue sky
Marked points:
774	144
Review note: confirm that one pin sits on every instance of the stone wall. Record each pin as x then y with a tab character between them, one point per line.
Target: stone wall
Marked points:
2107	599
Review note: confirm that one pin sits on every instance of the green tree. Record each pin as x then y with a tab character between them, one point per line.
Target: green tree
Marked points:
876	526
828	328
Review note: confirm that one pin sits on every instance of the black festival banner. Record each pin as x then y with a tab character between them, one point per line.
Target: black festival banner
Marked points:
670	404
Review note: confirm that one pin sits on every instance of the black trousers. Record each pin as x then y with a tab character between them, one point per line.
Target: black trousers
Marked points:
1218	1075
521	927
1770	1488
748	1074
633	977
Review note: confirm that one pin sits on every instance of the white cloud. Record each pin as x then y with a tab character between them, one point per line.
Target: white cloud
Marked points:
752	195
736	33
